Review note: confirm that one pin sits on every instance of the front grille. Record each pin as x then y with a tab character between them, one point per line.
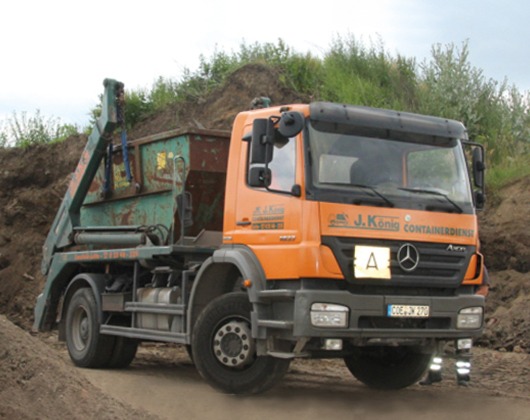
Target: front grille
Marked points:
438	266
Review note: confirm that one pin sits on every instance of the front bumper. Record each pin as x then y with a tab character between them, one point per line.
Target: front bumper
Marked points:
368	318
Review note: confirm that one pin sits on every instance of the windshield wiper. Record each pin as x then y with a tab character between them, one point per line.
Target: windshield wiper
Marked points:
368	187
425	191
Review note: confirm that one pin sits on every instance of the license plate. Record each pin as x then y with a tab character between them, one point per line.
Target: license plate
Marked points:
408	311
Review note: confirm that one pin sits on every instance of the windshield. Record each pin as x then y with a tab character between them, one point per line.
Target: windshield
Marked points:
401	173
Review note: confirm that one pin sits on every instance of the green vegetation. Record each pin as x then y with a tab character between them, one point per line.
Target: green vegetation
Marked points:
23	130
447	85
356	74
495	113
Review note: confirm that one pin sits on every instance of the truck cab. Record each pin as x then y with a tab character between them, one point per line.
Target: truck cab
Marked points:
366	219
351	177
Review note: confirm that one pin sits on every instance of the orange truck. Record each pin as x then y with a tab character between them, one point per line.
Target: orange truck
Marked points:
319	231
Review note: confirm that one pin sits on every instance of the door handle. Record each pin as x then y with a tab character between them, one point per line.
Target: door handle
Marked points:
244	222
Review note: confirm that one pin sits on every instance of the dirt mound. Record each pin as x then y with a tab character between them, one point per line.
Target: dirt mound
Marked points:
33	182
218	110
36	382
505	242
504	232
508	312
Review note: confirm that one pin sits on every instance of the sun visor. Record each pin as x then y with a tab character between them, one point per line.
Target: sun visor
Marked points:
382	123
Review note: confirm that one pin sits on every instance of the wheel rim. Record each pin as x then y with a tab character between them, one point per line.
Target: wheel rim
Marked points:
233	345
80	328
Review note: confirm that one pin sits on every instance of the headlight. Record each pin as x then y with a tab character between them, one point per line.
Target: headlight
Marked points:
469	318
329	315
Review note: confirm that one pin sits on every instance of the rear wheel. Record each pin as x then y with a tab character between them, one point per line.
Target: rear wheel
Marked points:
123	352
125	348
86	346
388	367
224	350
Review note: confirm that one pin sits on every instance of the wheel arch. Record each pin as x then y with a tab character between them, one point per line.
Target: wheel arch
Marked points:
220	274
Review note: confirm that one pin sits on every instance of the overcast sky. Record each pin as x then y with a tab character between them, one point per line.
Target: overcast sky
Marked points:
56	53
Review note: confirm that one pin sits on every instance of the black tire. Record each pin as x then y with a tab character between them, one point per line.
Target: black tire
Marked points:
86	346
224	350
388	367
124	350
123	353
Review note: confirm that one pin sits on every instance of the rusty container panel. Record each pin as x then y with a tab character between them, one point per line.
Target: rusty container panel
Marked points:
159	165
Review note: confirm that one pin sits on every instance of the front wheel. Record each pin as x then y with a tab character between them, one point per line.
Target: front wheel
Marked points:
388	367
224	351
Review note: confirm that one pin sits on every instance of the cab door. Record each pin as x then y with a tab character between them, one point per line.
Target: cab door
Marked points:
269	219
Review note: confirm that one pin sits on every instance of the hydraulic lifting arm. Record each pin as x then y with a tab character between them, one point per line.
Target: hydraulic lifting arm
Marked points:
68	215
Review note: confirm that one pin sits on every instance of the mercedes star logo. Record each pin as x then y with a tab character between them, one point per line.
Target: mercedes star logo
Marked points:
408	257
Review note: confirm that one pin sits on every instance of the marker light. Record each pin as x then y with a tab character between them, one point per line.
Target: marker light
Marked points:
334	344
464	343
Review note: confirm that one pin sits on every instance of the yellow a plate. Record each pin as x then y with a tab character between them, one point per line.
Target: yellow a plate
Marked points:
371	262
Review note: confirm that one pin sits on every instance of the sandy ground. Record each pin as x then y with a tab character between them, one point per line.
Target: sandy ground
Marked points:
37	380
164	382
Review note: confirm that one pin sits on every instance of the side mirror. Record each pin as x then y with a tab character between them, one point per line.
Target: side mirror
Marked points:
478	167
259	176
291	123
480	199
266	133
262	141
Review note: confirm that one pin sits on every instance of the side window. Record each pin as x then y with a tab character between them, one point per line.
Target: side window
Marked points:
283	165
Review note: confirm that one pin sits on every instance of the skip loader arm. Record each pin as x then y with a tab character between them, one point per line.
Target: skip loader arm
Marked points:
68	215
